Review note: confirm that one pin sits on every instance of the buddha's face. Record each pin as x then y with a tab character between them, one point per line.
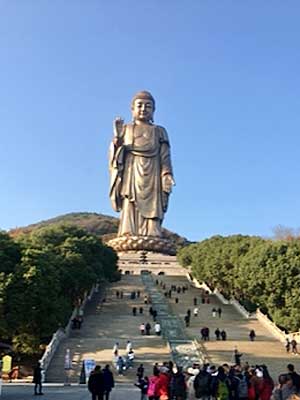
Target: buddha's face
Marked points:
142	110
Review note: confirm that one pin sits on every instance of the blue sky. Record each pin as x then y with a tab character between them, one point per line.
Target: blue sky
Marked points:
225	75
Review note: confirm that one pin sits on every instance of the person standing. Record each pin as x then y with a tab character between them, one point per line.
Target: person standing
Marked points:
116	348
219	311
187	320
109	382
152	385
295	377
287	345
202	384
223	335
120	365
142	328
148	328
128	346
157	328
129	359
285	388
143	384
96	383
217	333
294	346
237	356
37	379
252	335
177	384
196	311
140	372
162	384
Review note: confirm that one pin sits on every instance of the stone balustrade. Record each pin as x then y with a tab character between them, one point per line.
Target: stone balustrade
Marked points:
61	334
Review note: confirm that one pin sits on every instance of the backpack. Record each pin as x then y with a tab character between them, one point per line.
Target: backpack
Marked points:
242	388
222	391
202	385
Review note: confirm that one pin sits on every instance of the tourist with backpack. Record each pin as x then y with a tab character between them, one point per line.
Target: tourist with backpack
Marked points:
242	385
220	385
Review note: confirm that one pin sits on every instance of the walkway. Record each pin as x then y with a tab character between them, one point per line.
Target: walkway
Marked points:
108	323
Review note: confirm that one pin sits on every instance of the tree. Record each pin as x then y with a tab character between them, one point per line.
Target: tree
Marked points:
58	265
256	271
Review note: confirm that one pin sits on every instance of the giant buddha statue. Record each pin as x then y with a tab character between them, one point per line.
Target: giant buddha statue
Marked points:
141	178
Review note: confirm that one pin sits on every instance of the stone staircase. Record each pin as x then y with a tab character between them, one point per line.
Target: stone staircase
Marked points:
112	321
104	325
266	349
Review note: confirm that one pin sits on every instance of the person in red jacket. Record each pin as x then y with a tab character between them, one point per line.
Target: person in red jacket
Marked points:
152	386
267	384
162	385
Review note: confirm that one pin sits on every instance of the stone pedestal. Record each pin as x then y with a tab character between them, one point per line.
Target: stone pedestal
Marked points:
143	243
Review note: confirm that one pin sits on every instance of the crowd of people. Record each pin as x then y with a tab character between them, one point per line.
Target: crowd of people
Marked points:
225	382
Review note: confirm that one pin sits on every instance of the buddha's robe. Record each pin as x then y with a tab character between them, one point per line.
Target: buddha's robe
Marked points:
137	169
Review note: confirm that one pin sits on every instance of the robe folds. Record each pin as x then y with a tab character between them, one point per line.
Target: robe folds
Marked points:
137	169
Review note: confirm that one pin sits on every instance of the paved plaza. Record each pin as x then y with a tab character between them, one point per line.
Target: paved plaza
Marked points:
55	392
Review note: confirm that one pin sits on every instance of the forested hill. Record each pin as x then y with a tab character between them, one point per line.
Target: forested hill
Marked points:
97	224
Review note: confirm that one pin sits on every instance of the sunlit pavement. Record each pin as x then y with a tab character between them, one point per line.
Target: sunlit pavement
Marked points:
59	392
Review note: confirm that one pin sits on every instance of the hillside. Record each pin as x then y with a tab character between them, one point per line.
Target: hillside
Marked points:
97	224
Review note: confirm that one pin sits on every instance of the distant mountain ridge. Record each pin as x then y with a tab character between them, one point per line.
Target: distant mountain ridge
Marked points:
101	225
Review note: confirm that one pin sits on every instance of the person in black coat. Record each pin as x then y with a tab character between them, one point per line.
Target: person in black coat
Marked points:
109	382
177	384
37	379
96	383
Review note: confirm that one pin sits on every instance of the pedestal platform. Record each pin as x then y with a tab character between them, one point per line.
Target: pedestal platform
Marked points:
154	263
143	243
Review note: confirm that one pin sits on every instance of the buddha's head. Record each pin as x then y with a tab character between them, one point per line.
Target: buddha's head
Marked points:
143	106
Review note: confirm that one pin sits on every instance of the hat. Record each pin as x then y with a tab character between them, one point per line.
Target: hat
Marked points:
193	371
259	373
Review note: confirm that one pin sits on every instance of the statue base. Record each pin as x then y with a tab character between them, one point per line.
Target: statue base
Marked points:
154	244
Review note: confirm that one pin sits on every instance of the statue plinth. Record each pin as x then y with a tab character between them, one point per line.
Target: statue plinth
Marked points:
154	244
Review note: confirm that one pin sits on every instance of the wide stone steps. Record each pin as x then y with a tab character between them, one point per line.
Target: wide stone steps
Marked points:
106	323
264	350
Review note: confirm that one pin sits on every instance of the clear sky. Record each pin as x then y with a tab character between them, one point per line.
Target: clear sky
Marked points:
226	78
